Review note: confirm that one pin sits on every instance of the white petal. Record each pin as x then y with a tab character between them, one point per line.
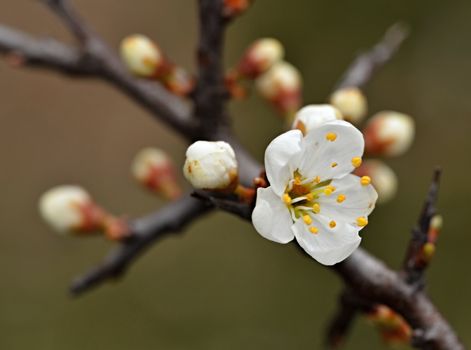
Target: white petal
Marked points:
282	159
328	246
359	200
271	218
319	155
312	116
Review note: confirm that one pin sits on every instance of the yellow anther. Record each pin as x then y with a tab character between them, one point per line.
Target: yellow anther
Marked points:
286	198
316	208
313	230
309	197
365	180
332	224
331	136
307	219
341	198
328	191
317	179
334	164
356	161
297	180
362	221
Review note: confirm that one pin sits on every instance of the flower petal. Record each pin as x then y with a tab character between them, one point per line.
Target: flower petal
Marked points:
357	201
328	150
271	218
282	159
328	246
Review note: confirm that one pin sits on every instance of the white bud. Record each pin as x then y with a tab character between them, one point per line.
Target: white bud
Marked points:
141	55
61	207
351	103
389	133
383	178
261	56
210	165
312	116
281	78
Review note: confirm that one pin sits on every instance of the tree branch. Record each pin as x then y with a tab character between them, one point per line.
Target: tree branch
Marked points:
145	231
362	69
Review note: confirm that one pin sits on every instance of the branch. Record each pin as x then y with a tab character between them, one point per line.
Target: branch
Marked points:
366	64
210	95
413	269
145	231
371	280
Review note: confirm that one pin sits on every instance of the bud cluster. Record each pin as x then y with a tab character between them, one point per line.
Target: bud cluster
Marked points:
428	249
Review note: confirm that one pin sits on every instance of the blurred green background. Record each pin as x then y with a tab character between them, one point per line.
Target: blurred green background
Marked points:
220	286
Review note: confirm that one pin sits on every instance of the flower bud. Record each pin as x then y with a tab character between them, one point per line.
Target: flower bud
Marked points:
383	178
437	222
154	169
281	85
68	208
141	55
211	166
234	8
351	103
260	57
389	134
312	116
177	80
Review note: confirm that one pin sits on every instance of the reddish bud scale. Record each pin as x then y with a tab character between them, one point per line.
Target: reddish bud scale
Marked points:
287	102
373	145
92	218
116	229
162	179
234	8
392	326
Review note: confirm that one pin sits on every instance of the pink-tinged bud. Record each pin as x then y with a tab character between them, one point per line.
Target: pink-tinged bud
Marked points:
234	8
436	224
154	169
392	326
260	57
70	209
389	134
211	166
312	116
141	55
281	86
351	103
383	178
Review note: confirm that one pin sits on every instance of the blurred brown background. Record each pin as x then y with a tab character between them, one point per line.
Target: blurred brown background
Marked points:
220	286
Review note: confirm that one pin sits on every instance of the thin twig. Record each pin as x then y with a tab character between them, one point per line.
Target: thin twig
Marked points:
366	64
413	270
145	231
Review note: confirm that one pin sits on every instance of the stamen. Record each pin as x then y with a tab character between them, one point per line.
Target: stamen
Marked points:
298	199
365	180
297	180
307	219
341	198
286	198
332	224
317	179
331	136
356	161
334	164
328	190
309	197
316	208
362	221
313	230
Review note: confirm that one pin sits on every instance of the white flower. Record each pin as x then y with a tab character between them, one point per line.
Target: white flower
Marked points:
210	165
389	133
61	207
312	116
312	195
141	55
351	103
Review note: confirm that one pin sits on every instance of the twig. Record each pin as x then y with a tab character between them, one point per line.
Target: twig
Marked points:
413	270
169	220
366	64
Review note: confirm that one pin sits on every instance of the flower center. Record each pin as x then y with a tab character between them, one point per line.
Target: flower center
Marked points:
302	198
